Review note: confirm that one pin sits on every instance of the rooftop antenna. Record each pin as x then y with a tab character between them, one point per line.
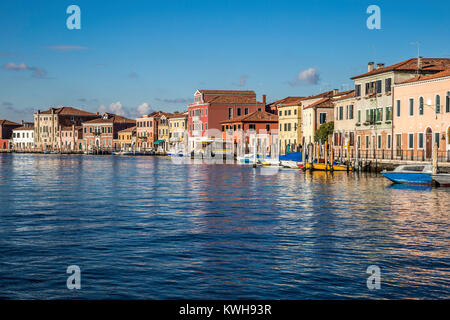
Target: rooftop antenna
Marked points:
418	53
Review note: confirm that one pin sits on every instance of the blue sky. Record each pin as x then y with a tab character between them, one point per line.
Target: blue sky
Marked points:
157	53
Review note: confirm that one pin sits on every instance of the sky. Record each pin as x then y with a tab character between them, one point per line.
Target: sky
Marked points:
131	57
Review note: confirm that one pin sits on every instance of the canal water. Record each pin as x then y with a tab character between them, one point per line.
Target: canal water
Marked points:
147	228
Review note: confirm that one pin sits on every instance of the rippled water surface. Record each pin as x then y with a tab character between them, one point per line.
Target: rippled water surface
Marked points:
146	228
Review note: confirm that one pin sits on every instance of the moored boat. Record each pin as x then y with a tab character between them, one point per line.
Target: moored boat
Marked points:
410	174
443	179
322	167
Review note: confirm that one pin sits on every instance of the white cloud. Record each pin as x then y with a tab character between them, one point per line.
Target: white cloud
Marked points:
143	109
35	71
66	47
309	76
115	107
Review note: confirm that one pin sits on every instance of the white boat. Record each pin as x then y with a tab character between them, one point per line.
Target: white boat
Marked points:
442	178
290	164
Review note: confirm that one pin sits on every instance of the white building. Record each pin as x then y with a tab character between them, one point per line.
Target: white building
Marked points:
23	137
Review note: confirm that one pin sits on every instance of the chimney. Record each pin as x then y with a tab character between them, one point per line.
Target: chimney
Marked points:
370	66
264	99
419	63
380	65
335	91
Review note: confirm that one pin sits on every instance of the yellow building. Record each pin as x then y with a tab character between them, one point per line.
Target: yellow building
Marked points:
127	139
163	133
290	126
177	130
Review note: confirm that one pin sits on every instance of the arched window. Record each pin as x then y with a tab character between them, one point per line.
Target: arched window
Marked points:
421	105
438	104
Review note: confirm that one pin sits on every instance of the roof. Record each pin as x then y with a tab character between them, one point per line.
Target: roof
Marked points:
24	128
442	74
69	111
243	92
130	129
428	65
287	101
346	96
8	123
110	118
322	103
257	116
157	114
233	99
69	128
178	115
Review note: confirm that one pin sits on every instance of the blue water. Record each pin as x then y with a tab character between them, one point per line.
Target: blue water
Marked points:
146	228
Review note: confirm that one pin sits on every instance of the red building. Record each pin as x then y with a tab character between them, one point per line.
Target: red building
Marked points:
102	133
210	107
259	127
6	129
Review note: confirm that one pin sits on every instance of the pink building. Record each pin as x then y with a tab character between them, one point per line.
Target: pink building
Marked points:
422	116
147	129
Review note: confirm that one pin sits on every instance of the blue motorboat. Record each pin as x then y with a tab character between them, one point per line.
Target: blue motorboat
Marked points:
410	174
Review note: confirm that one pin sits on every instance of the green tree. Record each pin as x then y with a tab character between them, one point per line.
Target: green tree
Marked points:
324	131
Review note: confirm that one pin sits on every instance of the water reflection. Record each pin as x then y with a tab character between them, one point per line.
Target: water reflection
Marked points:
143	227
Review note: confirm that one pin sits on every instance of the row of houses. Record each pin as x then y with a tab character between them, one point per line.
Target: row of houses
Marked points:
400	110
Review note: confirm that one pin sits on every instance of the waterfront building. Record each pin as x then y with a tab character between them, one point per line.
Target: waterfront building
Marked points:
71	138
273	106
290	125
102	133
345	123
6	130
162	144
23	137
178	130
210	107
375	103
48	125
127	139
147	130
422	117
258	127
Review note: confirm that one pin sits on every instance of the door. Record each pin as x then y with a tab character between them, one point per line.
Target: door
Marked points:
429	143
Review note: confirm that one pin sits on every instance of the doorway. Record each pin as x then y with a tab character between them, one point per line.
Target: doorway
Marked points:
429	143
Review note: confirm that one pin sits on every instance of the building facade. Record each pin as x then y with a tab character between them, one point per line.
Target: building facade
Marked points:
259	127
375	100
127	139
345	119
178	123
6	130
422	117
71	139
147	130
290	130
48	125
23	137
102	133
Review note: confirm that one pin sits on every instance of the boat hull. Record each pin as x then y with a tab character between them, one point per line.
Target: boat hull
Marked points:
321	167
408	177
442	179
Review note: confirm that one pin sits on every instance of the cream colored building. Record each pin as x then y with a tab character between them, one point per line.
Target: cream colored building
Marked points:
345	119
178	133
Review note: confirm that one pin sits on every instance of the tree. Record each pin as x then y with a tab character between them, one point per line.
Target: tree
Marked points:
324	131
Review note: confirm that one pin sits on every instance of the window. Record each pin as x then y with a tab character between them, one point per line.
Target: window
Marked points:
437	139
357	90
285	127
367	142
251	126
438	104
289	112
359	115
323	118
238	112
398	108
341	113
378	86
447	102
280	113
350	111
379	141
388	113
246	111
230	113
411	107
295	111
289	126
352	138
267	127
389	141
387	84
420	140
421	105
410	141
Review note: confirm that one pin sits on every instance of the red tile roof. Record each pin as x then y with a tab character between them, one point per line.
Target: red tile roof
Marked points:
322	103
286	101
110	118
8	123
442	74
70	111
257	116
130	129
23	128
178	115
429	65
233	92
233	100
346	96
